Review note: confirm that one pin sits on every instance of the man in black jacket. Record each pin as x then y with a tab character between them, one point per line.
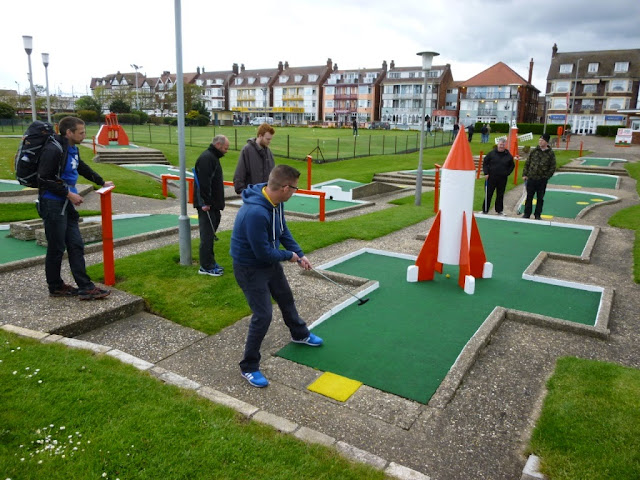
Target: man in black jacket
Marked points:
57	176
497	166
208	199
256	160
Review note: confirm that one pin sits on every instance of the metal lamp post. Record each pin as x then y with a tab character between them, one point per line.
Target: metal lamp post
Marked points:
136	67
45	62
264	94
427	59
27	41
575	87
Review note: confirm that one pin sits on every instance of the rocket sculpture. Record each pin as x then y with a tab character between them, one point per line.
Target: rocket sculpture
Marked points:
454	238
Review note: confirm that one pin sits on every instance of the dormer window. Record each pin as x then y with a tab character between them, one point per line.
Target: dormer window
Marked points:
313	78
264	80
566	68
238	81
593	68
284	78
621	67
251	80
298	78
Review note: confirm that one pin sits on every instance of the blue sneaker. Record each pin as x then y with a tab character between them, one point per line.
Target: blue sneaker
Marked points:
214	272
256	379
219	267
312	340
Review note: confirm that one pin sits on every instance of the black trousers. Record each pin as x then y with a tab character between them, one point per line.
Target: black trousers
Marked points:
497	184
207	234
537	187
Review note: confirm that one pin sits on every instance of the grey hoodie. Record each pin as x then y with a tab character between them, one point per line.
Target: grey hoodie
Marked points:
254	166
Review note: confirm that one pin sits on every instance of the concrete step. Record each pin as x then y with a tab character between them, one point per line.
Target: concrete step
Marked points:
403	179
602	170
120	157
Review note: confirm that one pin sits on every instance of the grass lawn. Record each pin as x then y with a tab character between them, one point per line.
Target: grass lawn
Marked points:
589	427
69	414
17	212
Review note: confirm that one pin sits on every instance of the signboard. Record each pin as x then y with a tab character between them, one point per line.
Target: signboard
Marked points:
557	117
593	81
614	118
623	137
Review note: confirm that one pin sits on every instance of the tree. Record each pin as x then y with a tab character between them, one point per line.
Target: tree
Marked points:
88	103
119	106
6	110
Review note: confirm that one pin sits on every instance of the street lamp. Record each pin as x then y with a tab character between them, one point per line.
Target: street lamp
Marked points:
427	59
575	87
27	41
45	61
264	94
136	67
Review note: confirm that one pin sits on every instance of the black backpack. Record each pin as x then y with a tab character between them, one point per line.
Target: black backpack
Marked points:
26	161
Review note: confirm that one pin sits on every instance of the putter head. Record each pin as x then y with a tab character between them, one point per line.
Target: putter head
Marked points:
363	301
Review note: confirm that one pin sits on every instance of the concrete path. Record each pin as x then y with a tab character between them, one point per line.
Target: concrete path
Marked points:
481	433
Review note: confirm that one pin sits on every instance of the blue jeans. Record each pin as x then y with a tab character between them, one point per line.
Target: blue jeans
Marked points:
207	233
259	284
62	232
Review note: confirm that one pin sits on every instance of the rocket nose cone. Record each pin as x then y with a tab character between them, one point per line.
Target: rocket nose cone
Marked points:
460	157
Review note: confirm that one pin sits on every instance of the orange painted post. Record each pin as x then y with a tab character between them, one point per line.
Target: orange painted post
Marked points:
436	193
515	170
94	145
317	194
190	183
165	189
479	165
581	144
107	235
309	161
566	147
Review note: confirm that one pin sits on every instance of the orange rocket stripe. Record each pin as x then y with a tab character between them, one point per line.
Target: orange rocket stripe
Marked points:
427	261
464	262
460	157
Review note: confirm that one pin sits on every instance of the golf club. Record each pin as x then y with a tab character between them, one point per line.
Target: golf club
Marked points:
361	301
520	206
215	237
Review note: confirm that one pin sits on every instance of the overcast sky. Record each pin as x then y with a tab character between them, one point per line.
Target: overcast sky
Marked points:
92	39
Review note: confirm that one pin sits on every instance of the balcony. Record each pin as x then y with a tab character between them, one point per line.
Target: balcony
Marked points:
345	96
293	97
488	96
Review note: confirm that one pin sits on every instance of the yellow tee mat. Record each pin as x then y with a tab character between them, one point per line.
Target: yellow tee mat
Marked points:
335	386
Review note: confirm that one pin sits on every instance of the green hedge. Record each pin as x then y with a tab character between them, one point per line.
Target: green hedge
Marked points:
535	128
608	130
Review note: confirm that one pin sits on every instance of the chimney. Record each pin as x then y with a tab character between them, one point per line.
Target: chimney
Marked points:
554	50
202	69
335	67
329	63
280	66
392	65
384	65
234	68
198	70
242	67
286	64
530	71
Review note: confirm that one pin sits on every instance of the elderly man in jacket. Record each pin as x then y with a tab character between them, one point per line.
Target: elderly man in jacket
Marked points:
538	169
497	166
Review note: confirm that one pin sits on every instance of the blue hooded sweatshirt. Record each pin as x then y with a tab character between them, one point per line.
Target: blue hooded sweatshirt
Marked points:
259	230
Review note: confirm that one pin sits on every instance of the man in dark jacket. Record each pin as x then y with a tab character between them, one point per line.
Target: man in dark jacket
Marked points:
497	166
256	160
538	169
208	199
259	230
58	173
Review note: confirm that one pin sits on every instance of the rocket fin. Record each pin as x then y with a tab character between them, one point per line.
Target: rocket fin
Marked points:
427	260
476	250
464	253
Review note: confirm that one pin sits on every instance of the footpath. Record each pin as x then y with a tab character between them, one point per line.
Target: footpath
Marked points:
481	433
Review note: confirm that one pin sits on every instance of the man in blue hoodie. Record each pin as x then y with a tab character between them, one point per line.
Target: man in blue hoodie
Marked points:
258	232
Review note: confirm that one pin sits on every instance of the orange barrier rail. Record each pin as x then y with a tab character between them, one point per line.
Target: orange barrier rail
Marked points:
322	196
515	171
107	235
479	165
309	162
165	189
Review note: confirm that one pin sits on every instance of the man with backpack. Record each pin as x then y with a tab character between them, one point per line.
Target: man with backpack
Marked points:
59	165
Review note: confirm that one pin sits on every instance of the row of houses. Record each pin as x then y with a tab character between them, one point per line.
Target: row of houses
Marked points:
584	89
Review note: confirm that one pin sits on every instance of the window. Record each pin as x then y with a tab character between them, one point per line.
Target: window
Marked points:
618	86
298	78
238	81
621	67
364	89
617	103
264	80
566	68
328	103
251	80
330	90
394	75
589	88
559	104
562	87
283	79
593	68
313	78
588	104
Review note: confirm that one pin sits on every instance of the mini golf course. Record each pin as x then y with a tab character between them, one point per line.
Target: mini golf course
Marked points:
600	162
13	186
406	338
156	170
12	250
585	180
567	203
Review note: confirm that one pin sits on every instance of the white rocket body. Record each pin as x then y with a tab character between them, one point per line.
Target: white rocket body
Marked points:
456	198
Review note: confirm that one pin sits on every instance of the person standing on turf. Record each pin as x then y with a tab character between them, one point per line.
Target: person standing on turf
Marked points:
208	199
259	230
58	172
538	169
497	166
256	160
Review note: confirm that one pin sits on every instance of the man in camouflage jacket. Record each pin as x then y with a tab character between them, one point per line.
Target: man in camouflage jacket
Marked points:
538	169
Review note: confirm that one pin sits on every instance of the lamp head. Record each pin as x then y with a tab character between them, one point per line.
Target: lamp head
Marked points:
27	41
45	59
427	59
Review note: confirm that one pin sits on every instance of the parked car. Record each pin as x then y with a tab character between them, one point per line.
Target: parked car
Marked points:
261	120
379	126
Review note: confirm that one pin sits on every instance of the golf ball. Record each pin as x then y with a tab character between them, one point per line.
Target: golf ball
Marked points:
447	275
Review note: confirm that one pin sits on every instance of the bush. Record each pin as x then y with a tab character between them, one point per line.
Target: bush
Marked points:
87	115
155	120
170	121
608	130
6	110
144	117
129	119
